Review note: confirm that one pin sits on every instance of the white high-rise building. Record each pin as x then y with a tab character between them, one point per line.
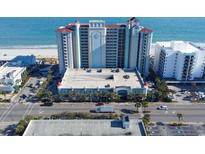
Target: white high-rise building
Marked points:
100	45
179	60
97	44
143	61
65	48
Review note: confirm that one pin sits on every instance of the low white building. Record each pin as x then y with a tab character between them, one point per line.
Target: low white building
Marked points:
25	60
10	76
179	60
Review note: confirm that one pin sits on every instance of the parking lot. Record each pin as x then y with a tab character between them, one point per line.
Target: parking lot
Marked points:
161	129
29	90
184	93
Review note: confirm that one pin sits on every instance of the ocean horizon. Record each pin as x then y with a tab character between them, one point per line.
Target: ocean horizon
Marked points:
39	32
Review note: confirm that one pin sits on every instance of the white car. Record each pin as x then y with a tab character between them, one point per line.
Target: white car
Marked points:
162	107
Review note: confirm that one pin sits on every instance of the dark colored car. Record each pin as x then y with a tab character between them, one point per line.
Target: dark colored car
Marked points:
99	104
23	96
48	103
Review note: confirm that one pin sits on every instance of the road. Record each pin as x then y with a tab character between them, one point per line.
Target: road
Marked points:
20	110
191	113
6	110
17	100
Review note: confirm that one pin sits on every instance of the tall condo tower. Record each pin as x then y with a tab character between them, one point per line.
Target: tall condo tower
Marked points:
100	45
97	44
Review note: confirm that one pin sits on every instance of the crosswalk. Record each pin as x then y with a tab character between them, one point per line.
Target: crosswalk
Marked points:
7	111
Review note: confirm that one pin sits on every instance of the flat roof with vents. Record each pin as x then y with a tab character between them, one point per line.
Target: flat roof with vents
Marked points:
11	69
93	78
82	128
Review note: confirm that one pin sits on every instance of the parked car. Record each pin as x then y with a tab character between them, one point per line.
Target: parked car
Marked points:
162	107
30	85
23	96
48	103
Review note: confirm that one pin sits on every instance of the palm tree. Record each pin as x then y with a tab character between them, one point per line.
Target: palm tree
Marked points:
49	94
71	96
138	105
114	97
96	96
145	105
180	117
87	97
130	97
81	97
146	119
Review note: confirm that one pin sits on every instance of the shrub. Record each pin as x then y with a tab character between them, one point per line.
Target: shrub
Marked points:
83	115
167	99
22	125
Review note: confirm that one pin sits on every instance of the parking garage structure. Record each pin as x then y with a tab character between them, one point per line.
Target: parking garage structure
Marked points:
121	81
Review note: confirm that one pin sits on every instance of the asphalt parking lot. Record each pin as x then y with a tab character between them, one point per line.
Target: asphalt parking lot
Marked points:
183	92
161	129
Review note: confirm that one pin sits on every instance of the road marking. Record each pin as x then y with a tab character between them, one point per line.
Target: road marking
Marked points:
31	109
5	114
2	115
41	112
13	104
28	110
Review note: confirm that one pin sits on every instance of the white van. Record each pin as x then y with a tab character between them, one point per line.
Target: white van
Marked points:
162	107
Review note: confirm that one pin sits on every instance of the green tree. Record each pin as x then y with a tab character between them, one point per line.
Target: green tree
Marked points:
48	95
180	117
162	90
134	97
3	93
138	105
146	119
145	105
115	97
24	77
152	75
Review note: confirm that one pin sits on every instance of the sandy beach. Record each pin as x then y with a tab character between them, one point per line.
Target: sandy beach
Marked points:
10	53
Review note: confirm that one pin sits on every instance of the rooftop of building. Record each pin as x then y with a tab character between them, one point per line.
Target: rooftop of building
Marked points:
200	46
117	25
11	69
82	128
146	30
67	28
63	29
182	46
23	59
96	21
100	78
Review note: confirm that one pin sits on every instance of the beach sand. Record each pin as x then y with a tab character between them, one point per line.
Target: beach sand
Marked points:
10	53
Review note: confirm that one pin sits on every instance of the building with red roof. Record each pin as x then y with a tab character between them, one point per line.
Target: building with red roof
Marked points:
100	45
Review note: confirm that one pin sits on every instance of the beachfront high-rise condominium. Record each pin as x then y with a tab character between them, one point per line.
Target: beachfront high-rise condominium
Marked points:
99	45
179	60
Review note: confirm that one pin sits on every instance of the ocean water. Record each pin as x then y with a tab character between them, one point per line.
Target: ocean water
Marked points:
41	31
